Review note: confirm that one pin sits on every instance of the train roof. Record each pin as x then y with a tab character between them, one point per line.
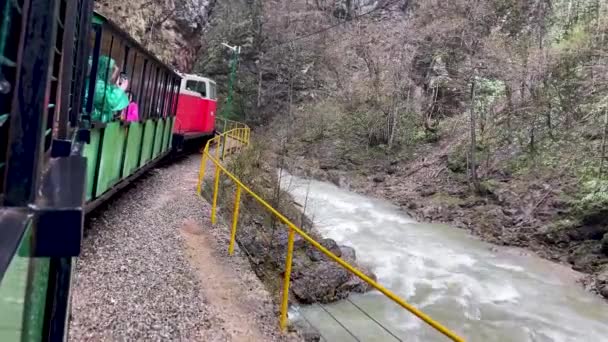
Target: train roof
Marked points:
101	19
196	77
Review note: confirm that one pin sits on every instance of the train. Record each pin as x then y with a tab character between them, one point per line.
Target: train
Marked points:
84	110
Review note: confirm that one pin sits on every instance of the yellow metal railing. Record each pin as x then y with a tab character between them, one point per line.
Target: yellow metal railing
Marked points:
233	140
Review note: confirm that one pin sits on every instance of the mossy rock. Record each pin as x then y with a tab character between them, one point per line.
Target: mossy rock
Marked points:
457	163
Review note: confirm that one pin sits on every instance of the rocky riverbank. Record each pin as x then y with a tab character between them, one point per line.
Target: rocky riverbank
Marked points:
314	278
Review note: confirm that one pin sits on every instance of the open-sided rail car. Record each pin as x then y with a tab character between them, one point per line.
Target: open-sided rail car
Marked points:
122	148
43	45
84	109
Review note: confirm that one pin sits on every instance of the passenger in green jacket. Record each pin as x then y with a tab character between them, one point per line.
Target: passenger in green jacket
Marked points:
108	98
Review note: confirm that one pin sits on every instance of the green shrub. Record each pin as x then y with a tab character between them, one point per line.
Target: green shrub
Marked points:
592	203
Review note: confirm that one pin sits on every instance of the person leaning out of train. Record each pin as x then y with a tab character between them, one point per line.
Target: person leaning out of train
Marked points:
131	114
108	97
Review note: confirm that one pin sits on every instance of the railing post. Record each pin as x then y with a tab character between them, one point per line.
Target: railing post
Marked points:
216	184
224	129
219	143
201	173
224	144
229	142
235	218
285	301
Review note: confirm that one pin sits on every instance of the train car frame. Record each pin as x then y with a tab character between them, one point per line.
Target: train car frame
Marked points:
42	170
57	159
120	151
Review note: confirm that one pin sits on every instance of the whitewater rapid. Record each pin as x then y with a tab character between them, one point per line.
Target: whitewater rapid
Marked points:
482	292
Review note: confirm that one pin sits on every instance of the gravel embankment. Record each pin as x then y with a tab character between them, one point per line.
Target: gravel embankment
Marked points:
138	277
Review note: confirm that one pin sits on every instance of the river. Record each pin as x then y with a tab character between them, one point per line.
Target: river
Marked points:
480	291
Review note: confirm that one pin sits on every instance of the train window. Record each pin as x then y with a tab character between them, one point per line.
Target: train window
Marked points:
79	64
93	61
197	86
202	88
147	96
212	91
191	85
134	73
9	39
108	71
176	89
168	96
163	95
157	92
176	97
54	87
145	76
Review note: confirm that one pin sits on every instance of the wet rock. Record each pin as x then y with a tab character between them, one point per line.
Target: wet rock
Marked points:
355	284
558	237
348	254
316	255
320	282
602	276
310	335
427	192
327	164
379	179
604	291
430	212
334	178
584	257
337	178
308	332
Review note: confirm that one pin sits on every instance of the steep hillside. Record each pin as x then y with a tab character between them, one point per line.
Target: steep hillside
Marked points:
170	29
490	115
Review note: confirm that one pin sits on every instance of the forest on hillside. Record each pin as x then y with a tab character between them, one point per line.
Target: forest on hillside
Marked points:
488	114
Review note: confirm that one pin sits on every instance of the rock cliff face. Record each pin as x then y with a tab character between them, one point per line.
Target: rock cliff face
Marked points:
171	29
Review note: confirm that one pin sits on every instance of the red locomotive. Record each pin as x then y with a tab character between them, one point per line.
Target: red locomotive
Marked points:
196	110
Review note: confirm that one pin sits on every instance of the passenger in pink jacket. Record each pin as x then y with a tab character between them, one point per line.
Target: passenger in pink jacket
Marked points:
132	111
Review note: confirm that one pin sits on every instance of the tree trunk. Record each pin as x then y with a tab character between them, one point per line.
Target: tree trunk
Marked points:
260	74
603	154
509	93
472	163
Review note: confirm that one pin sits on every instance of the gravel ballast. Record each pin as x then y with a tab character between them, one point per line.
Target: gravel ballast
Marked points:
141	275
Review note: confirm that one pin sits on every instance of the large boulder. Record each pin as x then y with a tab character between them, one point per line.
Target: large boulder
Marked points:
585	257
316	255
314	277
604	291
319	282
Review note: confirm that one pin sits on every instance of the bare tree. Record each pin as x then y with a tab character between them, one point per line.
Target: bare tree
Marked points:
473	142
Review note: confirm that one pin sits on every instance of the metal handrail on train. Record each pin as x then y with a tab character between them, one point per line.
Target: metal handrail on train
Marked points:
235	139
